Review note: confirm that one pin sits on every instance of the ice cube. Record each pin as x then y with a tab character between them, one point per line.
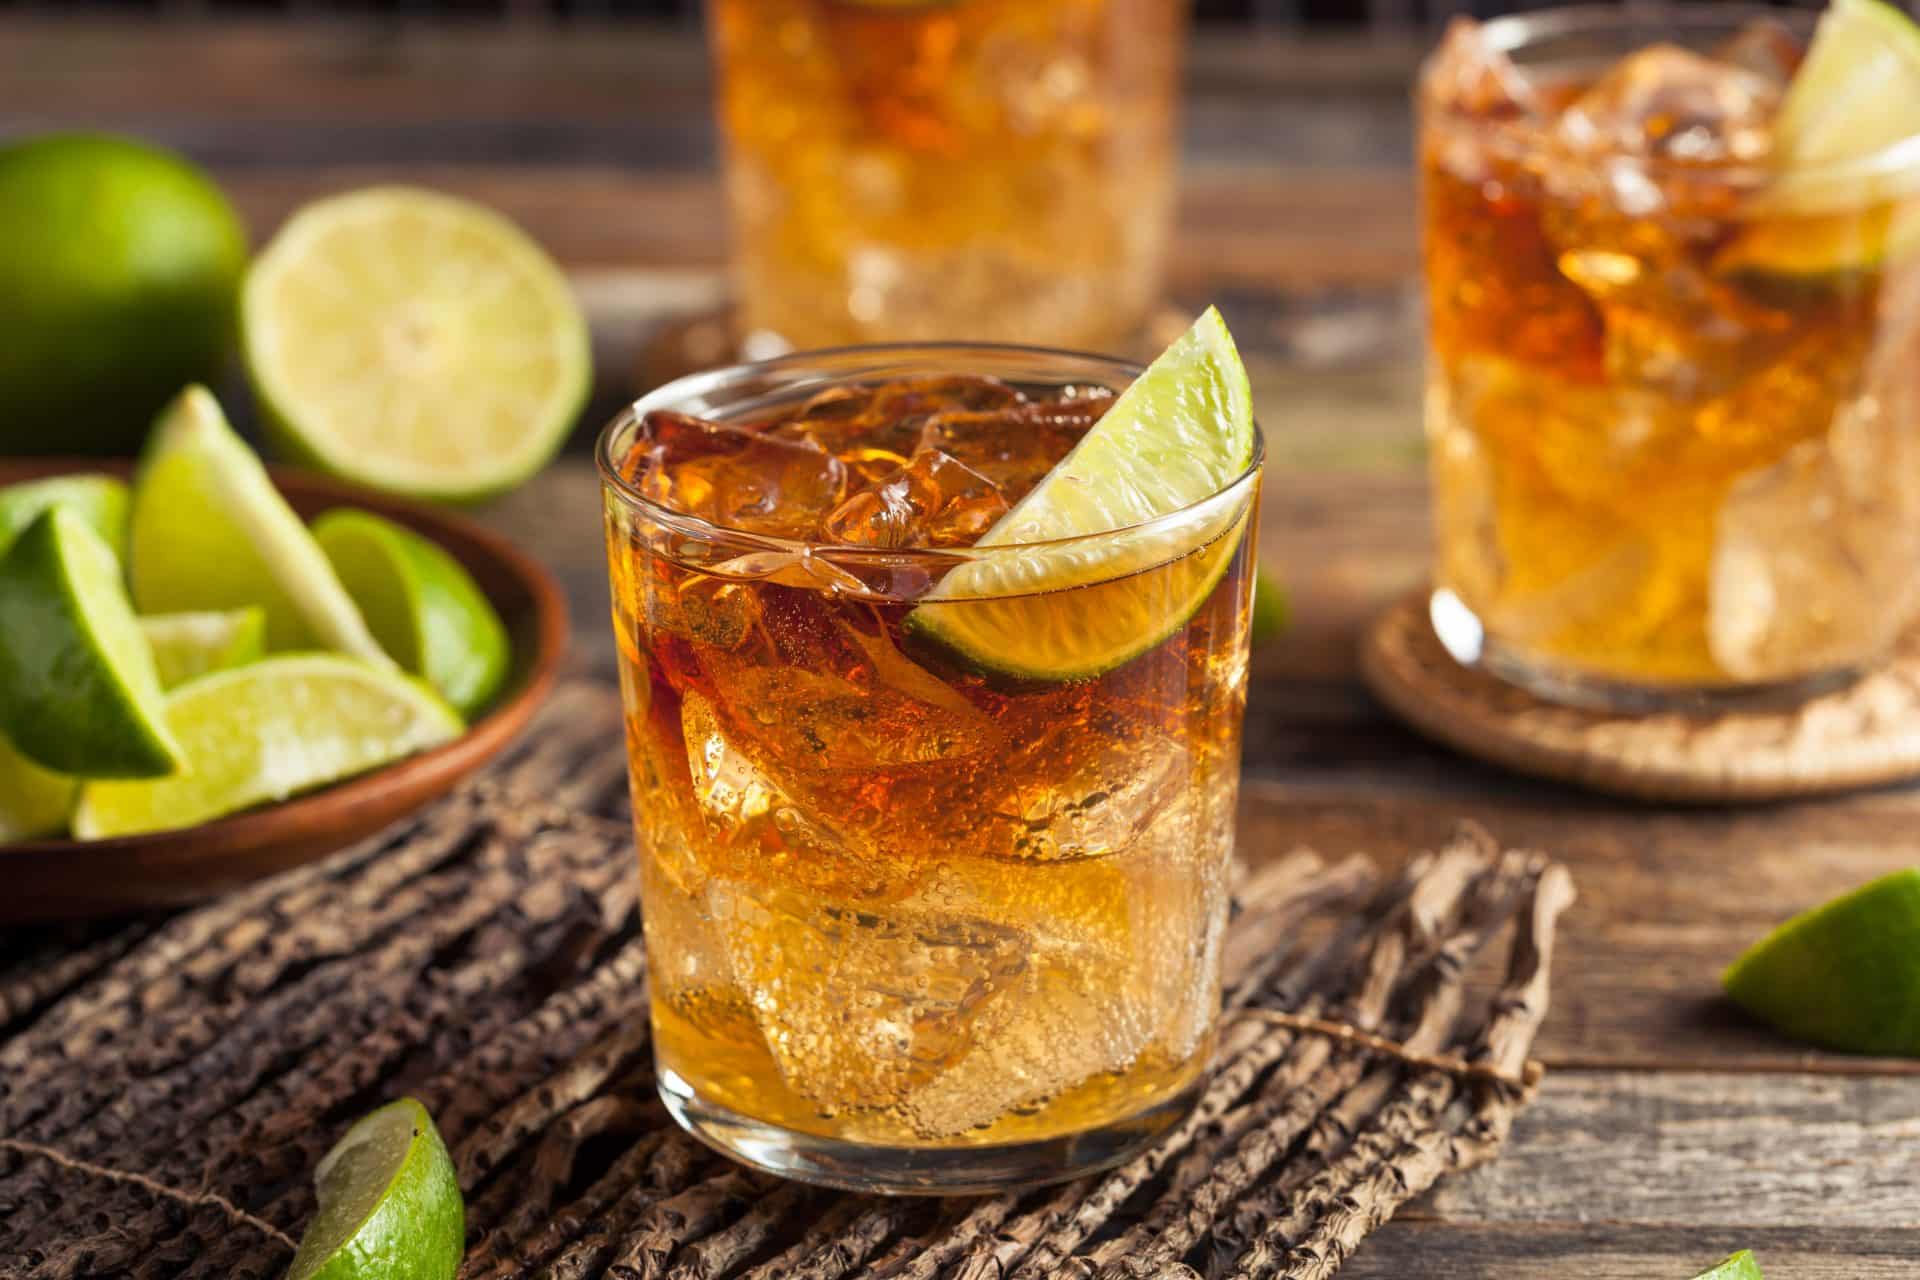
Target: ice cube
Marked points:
1668	103
1015	447
862	1005
739	478
935	500
1813	558
1766	47
1469	76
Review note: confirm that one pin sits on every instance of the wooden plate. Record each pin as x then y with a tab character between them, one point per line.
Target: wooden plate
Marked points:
64	879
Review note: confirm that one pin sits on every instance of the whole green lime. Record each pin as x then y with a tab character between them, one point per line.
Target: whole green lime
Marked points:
121	267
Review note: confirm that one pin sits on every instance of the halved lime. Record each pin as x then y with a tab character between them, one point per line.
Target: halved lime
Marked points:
1844	976
390	1206
101	501
1181	434
33	801
209	532
267	730
415	343
186	645
426	611
1741	1266
78	692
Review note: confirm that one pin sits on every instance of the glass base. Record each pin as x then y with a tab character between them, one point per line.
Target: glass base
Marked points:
918	1171
1461	634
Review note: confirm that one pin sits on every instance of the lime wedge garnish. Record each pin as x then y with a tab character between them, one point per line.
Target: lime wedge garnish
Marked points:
426	611
101	501
1856	94
33	801
1741	1266
1181	434
1844	976
390	1206
267	730
209	532
186	645
78	693
416	343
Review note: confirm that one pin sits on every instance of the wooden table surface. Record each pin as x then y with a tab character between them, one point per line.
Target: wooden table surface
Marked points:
1670	1130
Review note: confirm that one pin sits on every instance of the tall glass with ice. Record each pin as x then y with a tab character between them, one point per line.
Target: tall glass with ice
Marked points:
1673	275
934	886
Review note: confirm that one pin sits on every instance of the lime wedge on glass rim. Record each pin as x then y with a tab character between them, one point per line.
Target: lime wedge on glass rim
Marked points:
209	532
1173	442
414	343
390	1206
186	645
78	693
1740	1266
269	730
1843	976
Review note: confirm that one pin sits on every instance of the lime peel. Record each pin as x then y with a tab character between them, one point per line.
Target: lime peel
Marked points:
1739	1266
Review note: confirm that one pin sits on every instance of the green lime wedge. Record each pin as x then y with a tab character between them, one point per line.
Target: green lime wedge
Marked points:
1856	94
34	802
78	693
186	645
101	501
1844	976
209	532
426	611
1172	443
390	1206
1741	1266
415	343
1269	607
268	730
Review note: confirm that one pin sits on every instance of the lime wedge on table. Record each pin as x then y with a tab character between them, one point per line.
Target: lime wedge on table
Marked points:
1179	435
415	343
186	645
1844	976
78	692
267	730
209	532
33	801
425	609
101	501
1741	1266
390	1206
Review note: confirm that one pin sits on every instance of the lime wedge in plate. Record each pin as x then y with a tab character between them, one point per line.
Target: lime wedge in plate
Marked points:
426	611
186	645
1179	436
33	801
414	342
1844	976
390	1206
269	730
78	693
209	532
101	501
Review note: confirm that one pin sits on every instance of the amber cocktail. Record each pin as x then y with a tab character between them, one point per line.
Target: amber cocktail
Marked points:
904	170
914	925
1674	383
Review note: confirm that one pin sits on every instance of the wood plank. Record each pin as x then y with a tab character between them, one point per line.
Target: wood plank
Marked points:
1609	1250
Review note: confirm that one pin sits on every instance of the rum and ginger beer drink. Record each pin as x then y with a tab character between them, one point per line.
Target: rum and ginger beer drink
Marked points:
1674	385
934	878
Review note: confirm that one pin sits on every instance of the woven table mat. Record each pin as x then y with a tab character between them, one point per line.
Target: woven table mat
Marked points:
167	1085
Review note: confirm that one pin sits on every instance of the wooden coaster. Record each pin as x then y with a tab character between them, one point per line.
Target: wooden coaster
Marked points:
1863	735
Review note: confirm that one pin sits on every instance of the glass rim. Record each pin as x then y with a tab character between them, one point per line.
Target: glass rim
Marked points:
868	360
1515	31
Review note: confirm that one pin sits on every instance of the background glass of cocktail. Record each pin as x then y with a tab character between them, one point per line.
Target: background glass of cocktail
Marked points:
916	926
902	170
1673	390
